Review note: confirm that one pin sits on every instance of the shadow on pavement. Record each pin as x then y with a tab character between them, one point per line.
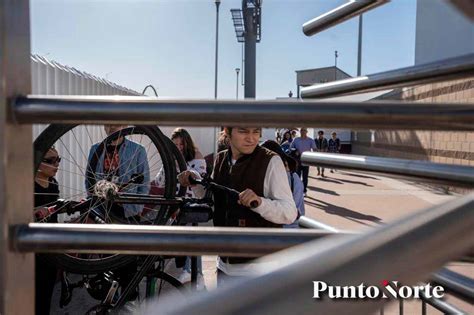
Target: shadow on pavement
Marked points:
359	175
339	181
341	211
326	179
322	190
354	182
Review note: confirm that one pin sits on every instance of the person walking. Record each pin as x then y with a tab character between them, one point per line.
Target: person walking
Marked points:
300	145
321	146
334	145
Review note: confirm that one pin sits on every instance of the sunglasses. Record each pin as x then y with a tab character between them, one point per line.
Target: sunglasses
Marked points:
52	160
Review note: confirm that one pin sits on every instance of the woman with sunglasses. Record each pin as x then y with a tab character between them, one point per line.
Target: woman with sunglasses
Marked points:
46	193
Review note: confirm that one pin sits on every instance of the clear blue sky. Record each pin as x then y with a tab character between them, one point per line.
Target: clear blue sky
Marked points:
171	43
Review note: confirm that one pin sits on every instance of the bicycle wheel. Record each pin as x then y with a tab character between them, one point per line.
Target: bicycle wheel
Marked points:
85	150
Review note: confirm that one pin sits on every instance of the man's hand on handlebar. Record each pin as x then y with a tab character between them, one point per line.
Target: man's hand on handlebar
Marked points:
249	199
183	178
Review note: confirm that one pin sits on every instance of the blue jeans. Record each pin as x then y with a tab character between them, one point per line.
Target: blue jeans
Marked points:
303	172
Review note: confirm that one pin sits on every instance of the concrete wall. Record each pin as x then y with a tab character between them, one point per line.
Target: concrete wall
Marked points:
441	31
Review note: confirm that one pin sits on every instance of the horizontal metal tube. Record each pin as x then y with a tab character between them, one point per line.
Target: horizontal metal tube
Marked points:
407	251
309	223
444	70
456	175
138	110
159	240
339	15
441	305
456	284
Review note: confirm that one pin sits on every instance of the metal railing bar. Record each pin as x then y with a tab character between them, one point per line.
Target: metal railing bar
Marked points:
444	70
269	113
340	14
441	305
456	284
184	241
308	223
423	308
456	175
407	250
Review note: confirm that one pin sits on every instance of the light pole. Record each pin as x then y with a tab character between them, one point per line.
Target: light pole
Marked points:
359	49
335	65
237	70
218	2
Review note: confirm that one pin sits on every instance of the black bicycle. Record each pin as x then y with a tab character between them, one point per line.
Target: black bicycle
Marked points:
89	195
105	286
80	184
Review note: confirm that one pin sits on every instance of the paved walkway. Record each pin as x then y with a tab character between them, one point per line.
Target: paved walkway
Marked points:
356	201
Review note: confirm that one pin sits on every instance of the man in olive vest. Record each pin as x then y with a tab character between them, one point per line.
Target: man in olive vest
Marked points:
260	176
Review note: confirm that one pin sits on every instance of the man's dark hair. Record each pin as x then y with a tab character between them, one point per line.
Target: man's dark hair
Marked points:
320	132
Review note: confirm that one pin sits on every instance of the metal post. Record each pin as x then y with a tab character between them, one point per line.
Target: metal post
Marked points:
237	70
218	2
16	180
335	65
359	50
243	65
194	269
250	52
216	130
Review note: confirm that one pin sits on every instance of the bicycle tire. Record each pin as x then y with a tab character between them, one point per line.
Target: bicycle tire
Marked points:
91	266
169	279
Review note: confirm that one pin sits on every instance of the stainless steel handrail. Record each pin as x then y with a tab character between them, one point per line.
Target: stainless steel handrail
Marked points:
308	223
441	305
142	110
456	284
166	240
457	175
407	250
443	70
340	14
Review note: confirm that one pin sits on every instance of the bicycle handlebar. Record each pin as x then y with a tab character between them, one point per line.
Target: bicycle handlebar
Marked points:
214	186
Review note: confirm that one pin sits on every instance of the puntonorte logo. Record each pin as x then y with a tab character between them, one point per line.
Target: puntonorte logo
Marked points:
390	289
